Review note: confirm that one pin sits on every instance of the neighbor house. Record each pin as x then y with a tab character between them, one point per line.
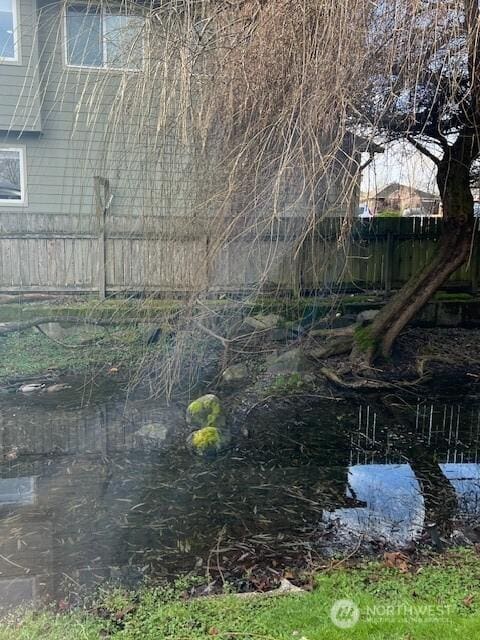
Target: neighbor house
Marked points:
405	199
84	190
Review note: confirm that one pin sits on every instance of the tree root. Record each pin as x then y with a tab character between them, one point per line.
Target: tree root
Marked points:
335	347
366	383
343	331
60	342
423	360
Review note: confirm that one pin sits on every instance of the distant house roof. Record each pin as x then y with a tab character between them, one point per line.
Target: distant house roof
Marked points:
395	186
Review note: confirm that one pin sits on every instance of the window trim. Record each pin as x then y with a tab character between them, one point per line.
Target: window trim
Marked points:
85	67
23	202
16	38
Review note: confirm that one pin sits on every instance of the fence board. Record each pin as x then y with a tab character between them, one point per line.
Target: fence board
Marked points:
61	253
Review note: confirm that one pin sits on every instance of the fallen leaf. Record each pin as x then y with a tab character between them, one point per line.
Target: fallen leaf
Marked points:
468	601
120	615
396	560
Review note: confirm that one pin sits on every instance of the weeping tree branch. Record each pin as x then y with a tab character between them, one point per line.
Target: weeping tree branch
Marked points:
420	147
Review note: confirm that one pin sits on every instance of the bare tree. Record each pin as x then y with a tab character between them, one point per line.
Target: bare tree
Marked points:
284	82
260	102
425	89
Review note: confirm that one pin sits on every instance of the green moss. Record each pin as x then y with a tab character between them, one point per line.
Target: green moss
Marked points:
364	339
195	407
206	438
206	410
284	384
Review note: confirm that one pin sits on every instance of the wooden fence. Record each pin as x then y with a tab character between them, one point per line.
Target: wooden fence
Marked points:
77	254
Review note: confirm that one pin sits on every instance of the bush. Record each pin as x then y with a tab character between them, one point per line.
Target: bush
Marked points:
389	213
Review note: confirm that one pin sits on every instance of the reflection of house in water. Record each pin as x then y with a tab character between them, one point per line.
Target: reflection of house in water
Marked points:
81	503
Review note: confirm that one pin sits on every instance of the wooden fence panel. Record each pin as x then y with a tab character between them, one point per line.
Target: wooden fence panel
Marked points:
71	253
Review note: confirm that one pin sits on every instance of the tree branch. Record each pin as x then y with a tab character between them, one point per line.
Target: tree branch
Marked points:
423	149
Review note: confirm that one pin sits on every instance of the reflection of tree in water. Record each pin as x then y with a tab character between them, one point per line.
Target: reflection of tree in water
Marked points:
439	496
440	499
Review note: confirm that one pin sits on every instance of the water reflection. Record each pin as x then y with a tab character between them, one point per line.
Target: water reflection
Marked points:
82	501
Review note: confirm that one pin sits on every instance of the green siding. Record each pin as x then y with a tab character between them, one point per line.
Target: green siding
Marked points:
19	82
82	135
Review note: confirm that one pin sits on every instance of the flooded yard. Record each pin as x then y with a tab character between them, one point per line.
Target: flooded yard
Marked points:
86	498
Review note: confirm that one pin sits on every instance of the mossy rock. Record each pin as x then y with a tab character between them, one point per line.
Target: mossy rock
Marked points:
206	411
293	361
208	441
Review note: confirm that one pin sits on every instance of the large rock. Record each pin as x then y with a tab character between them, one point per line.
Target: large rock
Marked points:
449	314
206	411
209	441
211	434
167	421
235	374
293	361
151	436
367	316
264	322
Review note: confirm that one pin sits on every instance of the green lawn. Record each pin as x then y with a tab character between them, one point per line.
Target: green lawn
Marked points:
30	353
438	602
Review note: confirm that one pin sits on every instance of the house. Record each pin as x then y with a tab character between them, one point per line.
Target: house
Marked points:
63	67
405	199
80	167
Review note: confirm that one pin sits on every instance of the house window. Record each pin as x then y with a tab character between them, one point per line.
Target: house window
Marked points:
99	37
12	176
8	26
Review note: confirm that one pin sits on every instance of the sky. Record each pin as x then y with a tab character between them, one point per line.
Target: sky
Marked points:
399	163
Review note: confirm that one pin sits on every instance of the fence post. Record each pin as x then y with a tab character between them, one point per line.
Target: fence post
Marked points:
474	265
102	197
388	264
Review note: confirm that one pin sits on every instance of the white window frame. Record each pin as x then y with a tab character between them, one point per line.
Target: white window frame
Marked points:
16	39
23	179
85	67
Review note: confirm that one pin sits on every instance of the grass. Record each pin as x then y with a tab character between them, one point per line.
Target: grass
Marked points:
30	353
434	602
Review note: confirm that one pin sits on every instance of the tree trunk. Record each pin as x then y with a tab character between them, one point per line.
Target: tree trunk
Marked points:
453	251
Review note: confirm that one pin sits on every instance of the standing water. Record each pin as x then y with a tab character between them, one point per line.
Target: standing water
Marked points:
85	498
